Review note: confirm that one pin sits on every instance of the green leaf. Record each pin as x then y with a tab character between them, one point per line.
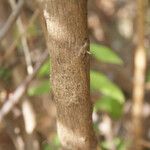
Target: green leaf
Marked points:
40	89
109	105
5	74
53	145
102	84
33	30
56	141
47	147
119	143
148	76
44	70
105	54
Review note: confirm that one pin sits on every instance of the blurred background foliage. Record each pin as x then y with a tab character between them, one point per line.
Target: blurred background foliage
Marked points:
113	40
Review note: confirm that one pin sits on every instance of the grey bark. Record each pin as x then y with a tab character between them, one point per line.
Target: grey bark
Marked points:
66	22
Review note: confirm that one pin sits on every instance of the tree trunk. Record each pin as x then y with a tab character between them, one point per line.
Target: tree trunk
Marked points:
66	22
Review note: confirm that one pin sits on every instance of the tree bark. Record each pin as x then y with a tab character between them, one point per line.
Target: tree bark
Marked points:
66	22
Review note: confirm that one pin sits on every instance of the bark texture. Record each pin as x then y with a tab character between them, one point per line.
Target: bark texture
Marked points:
66	22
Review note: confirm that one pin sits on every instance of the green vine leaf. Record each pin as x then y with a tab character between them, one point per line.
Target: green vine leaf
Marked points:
105	54
101	83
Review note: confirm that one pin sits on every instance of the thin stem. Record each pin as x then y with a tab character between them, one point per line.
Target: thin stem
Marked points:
139	77
15	97
23	40
11	20
14	44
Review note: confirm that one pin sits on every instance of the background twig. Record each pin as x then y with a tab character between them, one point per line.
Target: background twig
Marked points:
11	20
21	89
23	40
139	77
14	44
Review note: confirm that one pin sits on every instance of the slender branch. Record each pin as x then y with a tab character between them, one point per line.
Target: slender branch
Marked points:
14	44
11	20
23	40
16	138
15	97
139	77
